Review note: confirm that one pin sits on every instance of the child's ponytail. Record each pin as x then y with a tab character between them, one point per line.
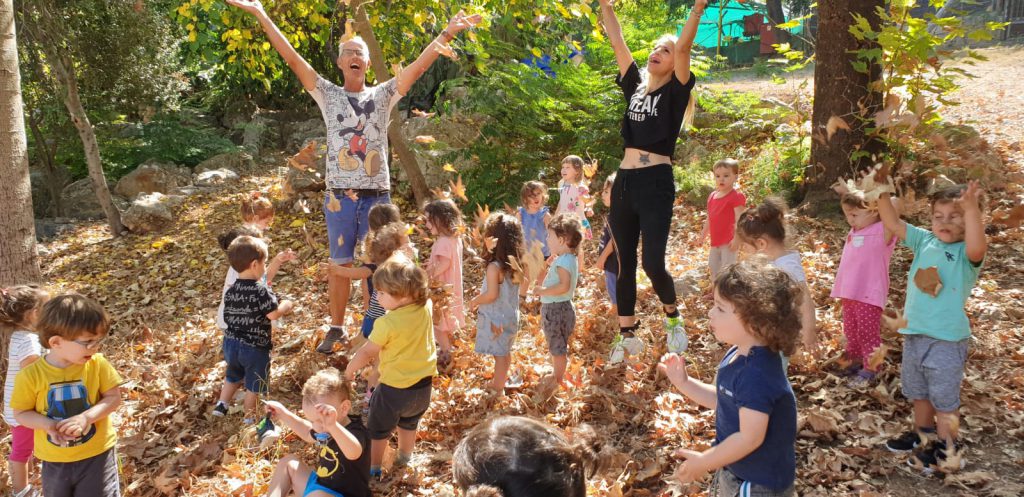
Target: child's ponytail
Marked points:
766	220
588	448
483	491
16	302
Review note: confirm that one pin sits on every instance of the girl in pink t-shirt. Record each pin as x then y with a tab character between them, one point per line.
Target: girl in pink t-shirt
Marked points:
445	267
862	282
724	205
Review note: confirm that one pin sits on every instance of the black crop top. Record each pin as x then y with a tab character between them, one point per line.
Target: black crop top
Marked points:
653	120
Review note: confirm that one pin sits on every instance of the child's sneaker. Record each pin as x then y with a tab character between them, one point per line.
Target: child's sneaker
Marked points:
333	336
266	432
624	346
906	442
28	491
935	458
863	378
220	409
676	334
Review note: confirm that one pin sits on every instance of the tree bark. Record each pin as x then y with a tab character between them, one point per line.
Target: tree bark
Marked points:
406	157
841	91
777	16
18	260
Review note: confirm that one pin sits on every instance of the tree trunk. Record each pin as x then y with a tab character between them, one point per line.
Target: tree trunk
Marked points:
406	156
777	16
841	91
56	178
18	261
63	69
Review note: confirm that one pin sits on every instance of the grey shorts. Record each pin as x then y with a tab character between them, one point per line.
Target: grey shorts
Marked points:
719	257
933	370
95	476
726	484
401	407
558	320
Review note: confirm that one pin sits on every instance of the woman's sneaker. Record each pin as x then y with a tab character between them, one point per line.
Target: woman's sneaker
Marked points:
675	330
906	442
623	347
220	409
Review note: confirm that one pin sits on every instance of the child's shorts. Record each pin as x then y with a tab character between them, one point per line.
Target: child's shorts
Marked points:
933	370
726	484
22	443
367	326
247	363
719	257
401	407
558	320
314	486
609	284
491	343
96	475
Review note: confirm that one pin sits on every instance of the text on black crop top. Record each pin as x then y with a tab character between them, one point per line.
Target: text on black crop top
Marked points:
653	120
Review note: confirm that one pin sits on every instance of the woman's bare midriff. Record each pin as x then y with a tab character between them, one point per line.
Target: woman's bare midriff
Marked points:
637	159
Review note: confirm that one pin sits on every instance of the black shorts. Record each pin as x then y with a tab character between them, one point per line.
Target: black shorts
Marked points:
401	407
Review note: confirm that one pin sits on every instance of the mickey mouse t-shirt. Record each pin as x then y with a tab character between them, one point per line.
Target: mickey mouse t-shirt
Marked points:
357	133
333	470
653	120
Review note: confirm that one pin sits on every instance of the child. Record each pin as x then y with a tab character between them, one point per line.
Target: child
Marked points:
724	205
573	194
534	215
756	312
403	340
257	215
608	260
514	456
249	307
862	282
445	266
762	230
67	398
19	311
558	317
498	303
937	330
343	465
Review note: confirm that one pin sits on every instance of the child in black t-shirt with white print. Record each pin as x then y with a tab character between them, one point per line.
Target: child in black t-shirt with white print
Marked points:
249	307
343	463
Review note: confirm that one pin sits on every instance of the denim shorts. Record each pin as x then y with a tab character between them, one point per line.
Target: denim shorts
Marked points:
610	279
347	227
248	363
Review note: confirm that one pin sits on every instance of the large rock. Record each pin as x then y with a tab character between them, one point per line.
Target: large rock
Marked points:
238	161
296	134
452	133
152	176
151	212
80	200
215	177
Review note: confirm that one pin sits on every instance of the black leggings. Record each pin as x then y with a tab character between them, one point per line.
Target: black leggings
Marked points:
642	202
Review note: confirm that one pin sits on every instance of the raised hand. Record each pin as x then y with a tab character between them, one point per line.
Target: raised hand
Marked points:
253	7
700	4
461	22
328	413
674	367
969	199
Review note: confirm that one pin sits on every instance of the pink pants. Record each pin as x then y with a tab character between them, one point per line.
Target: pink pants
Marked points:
862	325
22	443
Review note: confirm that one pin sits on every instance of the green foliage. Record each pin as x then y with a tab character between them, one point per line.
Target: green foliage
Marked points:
533	121
126	145
778	169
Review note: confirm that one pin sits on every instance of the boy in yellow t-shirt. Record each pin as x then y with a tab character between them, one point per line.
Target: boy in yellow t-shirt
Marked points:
67	397
404	340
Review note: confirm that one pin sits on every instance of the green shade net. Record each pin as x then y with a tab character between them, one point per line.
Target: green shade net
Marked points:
732	23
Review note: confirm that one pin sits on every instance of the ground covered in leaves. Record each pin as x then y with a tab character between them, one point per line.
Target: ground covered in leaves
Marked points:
163	291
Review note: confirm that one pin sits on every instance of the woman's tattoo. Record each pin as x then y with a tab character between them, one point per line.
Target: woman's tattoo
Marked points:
645	158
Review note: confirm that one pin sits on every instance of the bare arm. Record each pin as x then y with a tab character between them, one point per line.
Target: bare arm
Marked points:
75	426
890	218
410	74
563	285
299	66
753	427
808	320
366	353
283	309
674	367
294	422
685	43
347	442
974	227
606	253
493	287
623	57
353	273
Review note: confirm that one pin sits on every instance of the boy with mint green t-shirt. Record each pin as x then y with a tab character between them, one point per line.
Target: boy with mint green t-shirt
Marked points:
947	260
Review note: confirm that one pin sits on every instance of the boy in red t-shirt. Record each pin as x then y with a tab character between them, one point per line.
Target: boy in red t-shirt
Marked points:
724	205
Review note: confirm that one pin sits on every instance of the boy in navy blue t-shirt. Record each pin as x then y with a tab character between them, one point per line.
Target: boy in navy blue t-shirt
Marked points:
757	312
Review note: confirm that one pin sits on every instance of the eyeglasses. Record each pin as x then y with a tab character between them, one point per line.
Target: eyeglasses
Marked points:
352	51
91	344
